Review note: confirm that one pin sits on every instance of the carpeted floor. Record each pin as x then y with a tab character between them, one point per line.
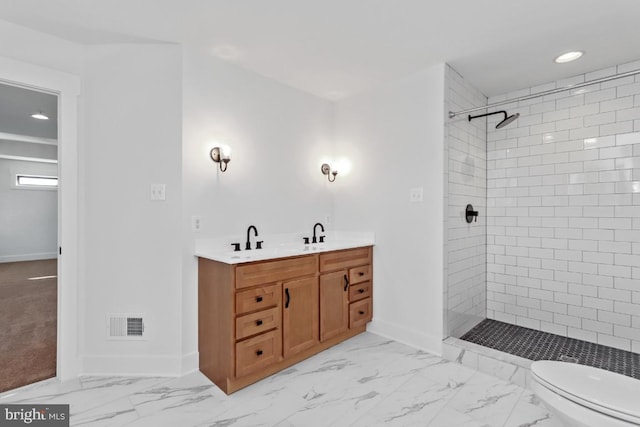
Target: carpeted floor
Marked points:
28	311
537	345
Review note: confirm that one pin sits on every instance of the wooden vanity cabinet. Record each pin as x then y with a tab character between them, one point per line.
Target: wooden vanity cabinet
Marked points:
257	318
345	291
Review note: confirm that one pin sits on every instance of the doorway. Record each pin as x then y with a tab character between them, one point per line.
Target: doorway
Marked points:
28	235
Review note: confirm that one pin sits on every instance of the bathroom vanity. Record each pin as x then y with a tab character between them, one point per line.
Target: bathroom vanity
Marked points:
257	317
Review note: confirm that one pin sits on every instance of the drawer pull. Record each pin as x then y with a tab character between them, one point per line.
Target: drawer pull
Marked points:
346	283
360	273
258	299
361	291
259	322
360	312
259	353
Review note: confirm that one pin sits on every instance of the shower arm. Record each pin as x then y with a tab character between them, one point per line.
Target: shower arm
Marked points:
452	114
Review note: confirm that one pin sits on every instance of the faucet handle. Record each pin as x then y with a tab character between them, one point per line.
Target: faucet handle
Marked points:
306	240
321	239
236	247
259	244
248	246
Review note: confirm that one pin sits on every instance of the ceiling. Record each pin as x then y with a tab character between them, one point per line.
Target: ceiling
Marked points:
336	48
16	107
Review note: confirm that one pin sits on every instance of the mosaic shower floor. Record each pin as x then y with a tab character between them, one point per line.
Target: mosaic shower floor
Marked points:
537	345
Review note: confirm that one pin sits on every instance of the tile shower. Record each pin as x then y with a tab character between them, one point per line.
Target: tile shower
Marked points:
562	212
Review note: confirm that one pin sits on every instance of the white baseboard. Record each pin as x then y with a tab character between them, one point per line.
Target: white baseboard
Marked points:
190	362
411	337
28	257
139	365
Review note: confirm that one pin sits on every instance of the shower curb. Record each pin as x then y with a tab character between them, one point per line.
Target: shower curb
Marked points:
499	364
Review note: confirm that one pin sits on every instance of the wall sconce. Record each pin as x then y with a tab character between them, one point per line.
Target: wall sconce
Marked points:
326	170
222	156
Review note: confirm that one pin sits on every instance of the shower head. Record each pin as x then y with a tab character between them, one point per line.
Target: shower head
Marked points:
507	119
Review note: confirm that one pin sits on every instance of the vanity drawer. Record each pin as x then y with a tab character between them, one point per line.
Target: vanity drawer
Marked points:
257	352
344	259
359	291
255	323
260	273
359	313
258	298
360	274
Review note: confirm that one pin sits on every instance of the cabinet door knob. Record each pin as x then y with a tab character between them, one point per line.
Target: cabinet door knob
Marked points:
258	322
258	299
361	312
259	353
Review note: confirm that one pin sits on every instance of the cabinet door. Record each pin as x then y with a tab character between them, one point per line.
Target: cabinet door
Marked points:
334	304
300	315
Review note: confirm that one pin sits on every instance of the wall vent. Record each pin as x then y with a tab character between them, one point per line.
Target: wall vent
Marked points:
125	326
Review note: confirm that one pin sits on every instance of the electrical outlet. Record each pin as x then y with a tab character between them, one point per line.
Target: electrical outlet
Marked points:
158	191
196	223
416	195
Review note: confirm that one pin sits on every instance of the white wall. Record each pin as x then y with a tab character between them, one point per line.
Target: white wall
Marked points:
394	138
278	136
132	107
23	44
465	281
564	196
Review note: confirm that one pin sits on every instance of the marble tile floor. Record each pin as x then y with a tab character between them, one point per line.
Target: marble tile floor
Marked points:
366	381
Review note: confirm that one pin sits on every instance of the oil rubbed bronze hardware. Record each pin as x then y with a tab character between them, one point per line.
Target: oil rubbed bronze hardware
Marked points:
346	283
258	299
248	243
470	214
361	291
361	312
259	353
360	273
315	239
258	322
286	292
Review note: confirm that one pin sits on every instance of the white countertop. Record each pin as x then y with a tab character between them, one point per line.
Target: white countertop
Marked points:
277	246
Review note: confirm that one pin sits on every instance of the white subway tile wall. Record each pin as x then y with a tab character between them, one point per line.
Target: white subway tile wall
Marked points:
563	220
466	182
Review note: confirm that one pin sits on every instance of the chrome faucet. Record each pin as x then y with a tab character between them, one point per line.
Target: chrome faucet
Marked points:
315	240
248	244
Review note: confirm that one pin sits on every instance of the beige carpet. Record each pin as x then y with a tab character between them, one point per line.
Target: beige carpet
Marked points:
28	311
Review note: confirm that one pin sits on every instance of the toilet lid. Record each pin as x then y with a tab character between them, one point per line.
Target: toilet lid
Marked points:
604	391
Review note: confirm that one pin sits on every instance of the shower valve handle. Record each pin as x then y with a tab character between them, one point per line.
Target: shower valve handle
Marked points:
470	214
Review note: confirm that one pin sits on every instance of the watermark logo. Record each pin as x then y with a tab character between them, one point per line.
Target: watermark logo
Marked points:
34	415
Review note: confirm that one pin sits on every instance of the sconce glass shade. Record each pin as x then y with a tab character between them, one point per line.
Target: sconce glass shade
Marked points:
222	156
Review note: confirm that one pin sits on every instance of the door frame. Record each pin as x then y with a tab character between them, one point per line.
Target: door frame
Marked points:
67	87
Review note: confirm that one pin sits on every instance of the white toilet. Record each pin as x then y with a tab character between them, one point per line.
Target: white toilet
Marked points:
582	396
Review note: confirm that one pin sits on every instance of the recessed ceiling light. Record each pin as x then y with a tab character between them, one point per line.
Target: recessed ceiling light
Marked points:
40	116
568	57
